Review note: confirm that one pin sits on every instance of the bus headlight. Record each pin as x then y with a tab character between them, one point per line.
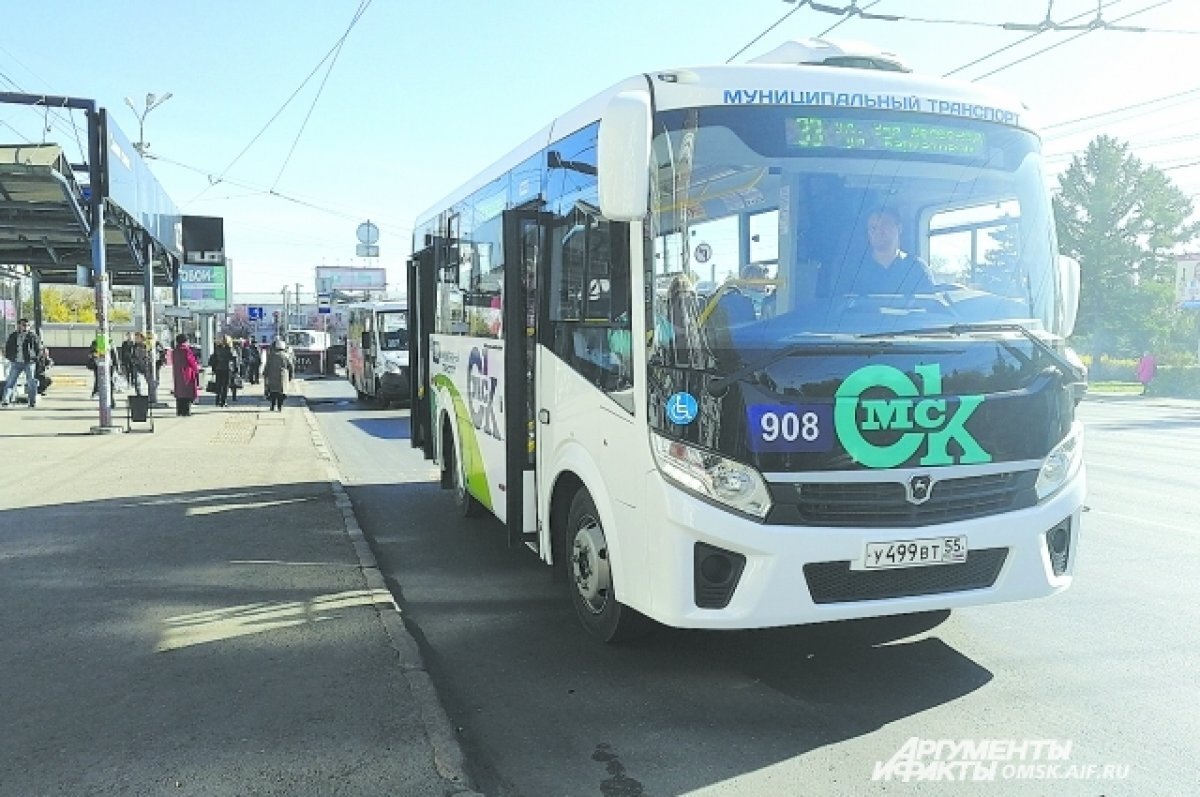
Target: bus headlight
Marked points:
738	486
1062	463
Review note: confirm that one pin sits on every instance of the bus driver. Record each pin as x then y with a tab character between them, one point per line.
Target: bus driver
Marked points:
884	268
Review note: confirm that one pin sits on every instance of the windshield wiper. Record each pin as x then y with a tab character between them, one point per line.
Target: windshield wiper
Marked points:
1065	366
718	386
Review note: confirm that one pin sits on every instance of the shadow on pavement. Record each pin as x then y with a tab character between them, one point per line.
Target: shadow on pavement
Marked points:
681	709
208	641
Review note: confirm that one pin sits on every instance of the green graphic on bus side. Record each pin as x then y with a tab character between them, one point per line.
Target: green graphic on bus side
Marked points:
919	420
472	457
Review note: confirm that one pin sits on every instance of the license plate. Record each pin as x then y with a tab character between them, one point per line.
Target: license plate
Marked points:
913	553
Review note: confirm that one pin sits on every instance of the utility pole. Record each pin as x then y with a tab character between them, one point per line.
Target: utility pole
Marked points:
284	323
299	323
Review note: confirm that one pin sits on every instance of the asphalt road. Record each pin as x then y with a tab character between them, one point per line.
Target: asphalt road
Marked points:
1110	667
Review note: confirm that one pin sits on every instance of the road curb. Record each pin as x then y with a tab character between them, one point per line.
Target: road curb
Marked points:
449	758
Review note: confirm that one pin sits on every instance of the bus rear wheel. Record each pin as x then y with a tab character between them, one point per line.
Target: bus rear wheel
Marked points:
589	576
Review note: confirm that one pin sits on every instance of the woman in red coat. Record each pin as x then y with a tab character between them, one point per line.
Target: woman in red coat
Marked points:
187	375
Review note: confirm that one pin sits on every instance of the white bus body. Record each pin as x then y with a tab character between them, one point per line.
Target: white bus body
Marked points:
377	351
787	450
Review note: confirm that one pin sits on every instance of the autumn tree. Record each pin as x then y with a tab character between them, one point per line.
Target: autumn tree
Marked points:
1122	220
65	304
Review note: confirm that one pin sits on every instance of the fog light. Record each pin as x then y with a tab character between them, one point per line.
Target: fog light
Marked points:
716	569
1058	545
715	575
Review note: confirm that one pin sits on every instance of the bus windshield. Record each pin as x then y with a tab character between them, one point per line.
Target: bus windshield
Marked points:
777	225
394	330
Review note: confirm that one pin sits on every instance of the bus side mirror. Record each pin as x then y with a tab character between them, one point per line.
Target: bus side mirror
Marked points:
623	157
1068	288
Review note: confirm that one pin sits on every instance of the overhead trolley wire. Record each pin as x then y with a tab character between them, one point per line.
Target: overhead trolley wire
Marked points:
362	7
767	30
332	52
1066	41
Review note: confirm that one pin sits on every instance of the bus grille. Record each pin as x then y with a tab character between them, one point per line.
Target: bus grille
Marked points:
835	582
884	504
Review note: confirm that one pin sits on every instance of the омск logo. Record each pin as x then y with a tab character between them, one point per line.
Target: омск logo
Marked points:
918	419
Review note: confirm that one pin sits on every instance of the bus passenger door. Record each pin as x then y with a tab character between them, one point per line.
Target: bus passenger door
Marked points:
523	246
422	281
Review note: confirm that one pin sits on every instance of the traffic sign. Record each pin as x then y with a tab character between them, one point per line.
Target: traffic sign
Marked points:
255	313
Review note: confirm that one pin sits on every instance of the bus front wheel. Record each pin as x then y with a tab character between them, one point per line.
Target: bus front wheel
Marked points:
452	473
589	576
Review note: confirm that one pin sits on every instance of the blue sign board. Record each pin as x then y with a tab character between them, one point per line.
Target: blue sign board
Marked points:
254	313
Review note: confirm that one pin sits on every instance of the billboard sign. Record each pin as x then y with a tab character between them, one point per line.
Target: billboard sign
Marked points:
339	278
204	287
1187	281
138	193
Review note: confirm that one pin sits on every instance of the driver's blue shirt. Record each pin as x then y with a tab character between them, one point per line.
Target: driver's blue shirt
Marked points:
906	274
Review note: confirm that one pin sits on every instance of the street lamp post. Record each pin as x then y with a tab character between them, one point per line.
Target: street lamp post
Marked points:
152	102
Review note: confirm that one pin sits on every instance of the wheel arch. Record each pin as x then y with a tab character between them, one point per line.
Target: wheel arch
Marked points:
576	470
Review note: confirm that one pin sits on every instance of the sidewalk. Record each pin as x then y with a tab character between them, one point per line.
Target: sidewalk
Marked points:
187	612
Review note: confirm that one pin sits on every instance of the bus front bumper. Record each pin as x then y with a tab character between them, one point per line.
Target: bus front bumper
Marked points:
788	575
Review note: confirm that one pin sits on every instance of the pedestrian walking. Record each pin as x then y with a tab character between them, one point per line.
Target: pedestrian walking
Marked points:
125	359
22	350
278	372
251	361
1147	369
93	364
186	371
160	359
222	362
40	368
139	363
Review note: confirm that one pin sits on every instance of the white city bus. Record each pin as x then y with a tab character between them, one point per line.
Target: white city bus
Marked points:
377	351
785	446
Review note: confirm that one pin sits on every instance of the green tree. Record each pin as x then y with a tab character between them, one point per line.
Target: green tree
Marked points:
1121	220
71	304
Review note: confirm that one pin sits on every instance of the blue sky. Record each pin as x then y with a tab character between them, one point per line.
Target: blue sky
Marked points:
425	94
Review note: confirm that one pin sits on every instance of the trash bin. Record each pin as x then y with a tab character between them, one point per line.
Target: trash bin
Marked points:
138	411
139	408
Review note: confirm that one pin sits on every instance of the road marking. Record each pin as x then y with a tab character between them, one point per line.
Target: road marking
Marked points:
1141	520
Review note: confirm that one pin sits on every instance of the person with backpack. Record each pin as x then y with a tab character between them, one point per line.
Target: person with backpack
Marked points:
22	350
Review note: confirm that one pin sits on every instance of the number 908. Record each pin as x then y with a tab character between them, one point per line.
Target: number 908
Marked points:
789	426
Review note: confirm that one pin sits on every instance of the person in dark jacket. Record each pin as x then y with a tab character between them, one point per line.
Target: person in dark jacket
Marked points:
40	368
22	350
223	363
93	364
251	361
139	363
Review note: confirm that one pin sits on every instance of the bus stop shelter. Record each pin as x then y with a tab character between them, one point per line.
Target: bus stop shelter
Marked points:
103	222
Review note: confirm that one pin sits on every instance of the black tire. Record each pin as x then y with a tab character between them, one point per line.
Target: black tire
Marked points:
379	402
452	474
589	577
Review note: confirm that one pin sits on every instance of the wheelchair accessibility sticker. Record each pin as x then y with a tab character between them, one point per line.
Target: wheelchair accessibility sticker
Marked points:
682	408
